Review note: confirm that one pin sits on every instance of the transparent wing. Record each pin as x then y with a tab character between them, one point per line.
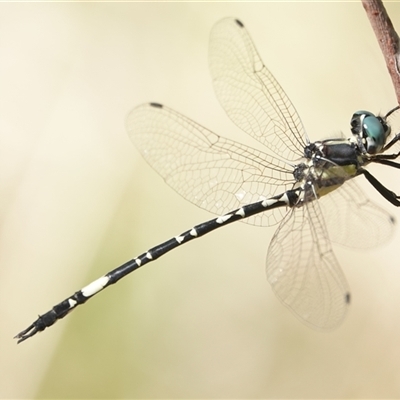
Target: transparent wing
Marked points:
355	221
249	93
303	270
214	173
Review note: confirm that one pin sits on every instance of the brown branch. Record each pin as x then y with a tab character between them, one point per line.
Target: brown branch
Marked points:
387	38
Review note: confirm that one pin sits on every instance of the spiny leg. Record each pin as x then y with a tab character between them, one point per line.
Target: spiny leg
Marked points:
385	192
394	140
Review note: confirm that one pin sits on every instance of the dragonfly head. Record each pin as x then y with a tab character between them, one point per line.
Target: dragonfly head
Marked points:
371	131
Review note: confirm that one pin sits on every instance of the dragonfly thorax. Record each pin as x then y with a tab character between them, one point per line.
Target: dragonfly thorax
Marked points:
341	152
327	165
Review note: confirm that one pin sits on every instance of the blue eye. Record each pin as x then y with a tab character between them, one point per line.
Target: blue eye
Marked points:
376	131
372	129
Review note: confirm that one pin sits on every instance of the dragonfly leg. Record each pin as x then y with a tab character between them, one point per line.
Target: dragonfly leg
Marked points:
385	192
386	161
395	139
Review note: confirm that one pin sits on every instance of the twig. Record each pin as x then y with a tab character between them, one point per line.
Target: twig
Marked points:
387	38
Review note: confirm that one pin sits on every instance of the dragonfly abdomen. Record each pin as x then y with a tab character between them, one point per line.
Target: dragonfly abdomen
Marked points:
59	311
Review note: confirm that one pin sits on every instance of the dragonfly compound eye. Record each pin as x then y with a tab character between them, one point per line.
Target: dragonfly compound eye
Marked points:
373	130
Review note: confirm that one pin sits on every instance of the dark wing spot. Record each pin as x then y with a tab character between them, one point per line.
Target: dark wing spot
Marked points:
239	23
347	298
157	105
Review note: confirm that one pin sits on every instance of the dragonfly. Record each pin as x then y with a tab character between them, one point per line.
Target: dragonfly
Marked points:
306	188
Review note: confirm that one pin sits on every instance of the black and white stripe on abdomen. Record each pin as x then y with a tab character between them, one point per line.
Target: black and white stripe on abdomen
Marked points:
287	199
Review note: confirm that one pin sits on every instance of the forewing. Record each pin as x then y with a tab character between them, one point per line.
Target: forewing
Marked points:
214	173
303	270
250	94
355	221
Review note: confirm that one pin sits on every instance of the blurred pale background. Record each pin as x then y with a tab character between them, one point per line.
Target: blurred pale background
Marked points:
77	200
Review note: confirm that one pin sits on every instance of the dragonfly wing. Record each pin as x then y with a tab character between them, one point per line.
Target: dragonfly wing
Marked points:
355	221
304	272
250	94
215	173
